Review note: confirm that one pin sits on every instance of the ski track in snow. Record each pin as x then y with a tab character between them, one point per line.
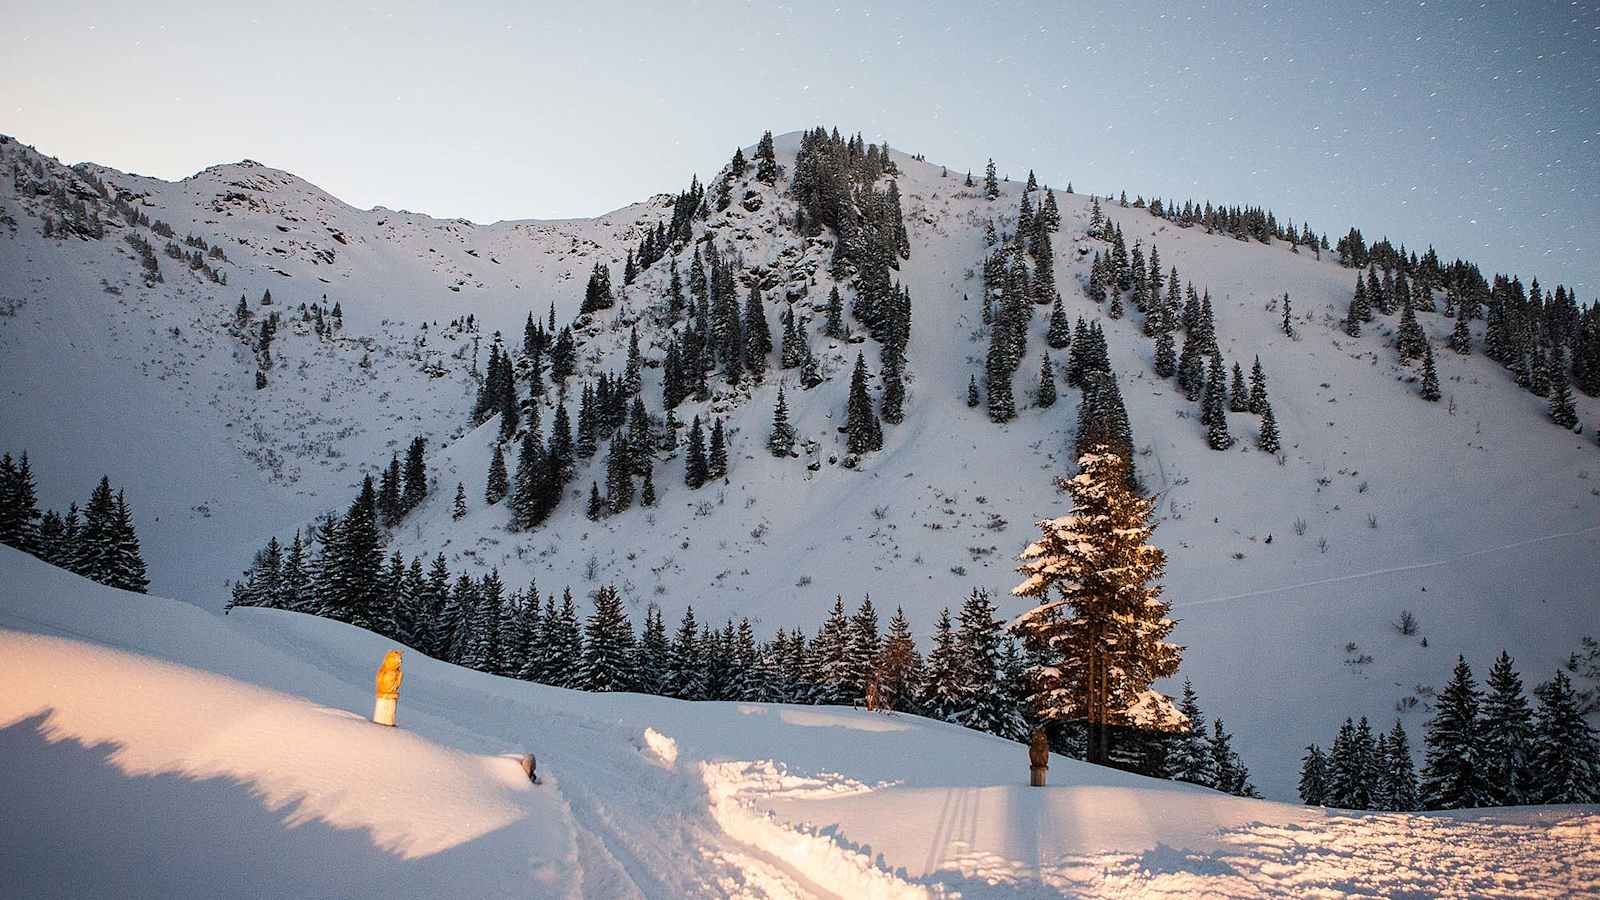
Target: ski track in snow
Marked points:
1211	601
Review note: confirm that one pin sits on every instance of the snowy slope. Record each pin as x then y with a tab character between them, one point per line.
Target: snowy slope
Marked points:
155	749
1487	519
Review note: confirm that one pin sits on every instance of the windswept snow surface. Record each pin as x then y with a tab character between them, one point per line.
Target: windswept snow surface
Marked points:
1474	513
154	749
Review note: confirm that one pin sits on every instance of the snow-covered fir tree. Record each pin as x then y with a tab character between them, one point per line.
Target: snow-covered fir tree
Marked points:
1100	625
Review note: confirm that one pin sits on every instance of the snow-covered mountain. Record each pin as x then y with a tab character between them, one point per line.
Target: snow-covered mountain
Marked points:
162	751
1475	513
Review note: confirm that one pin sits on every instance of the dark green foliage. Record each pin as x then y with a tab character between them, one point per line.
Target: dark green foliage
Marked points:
1214	411
597	293
1412	341
1397	789
499	482
609	662
1103	420
1355	767
1267	436
695	470
781	441
1258	388
1047	383
717	453
1314	777
1238	394
1430	376
1228	770
1566	751
1454	777
861	423
1507	736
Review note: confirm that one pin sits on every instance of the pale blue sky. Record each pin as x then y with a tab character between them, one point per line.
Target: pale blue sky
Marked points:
1474	126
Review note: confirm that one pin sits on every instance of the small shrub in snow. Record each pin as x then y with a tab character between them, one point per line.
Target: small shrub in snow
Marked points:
1407	623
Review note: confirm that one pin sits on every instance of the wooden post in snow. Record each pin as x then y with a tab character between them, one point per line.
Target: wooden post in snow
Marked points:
1038	758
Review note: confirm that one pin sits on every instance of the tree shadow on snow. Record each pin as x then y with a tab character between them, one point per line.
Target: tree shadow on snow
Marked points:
72	824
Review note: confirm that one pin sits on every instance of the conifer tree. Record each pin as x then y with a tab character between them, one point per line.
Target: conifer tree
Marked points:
565	644
997	373
652	656
1461	336
685	664
647	490
757	335
1231	775
766	160
1047	383
810	370
1288	323
1059	336
991	184
862	646
19	506
596	510
1258	388
124	565
1353	769
972	392
1166	363
499	482
458	510
1562	410
1358	311
1412	341
1314	777
619	479
1430	376
696	470
1454	777
891	404
1566	751
1239	395
1267	436
986	702
1507	729
1214	413
717	454
834	325
360	558
898	668
1397	777
1189	759
781	441
608	646
942	688
830	660
416	476
861	423
1099	631
98	534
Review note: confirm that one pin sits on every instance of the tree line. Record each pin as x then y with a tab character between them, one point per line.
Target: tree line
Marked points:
98	542
1483	748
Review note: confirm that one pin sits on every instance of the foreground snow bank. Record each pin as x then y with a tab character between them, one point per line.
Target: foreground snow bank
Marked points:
150	749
